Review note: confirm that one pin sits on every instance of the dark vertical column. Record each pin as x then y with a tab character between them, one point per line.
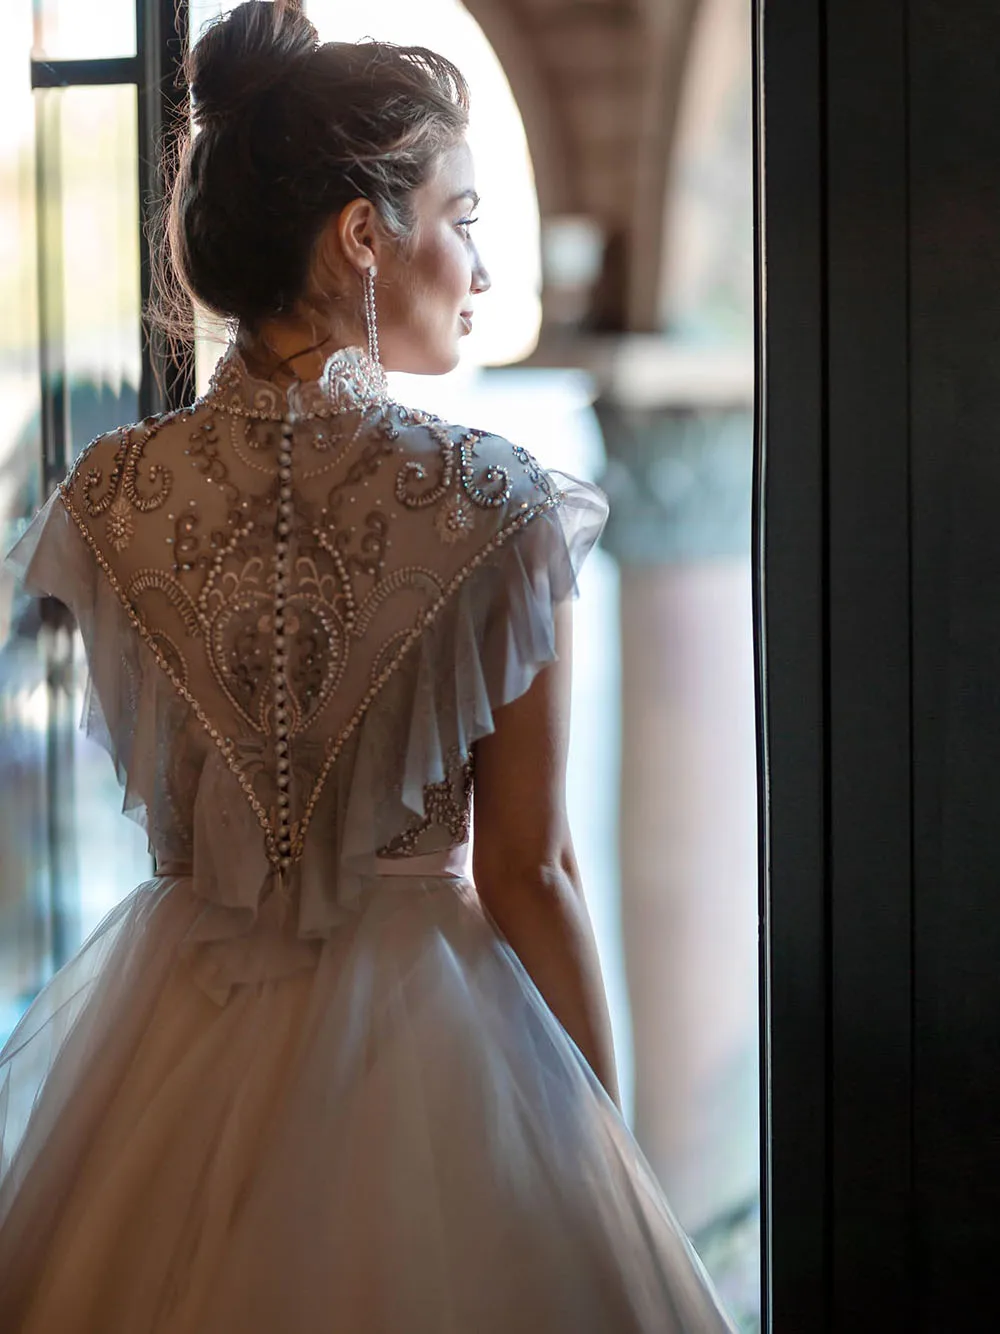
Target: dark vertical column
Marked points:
955	380
836	597
868	538
793	666
882	659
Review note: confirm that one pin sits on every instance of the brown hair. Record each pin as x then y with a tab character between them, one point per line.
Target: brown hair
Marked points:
289	131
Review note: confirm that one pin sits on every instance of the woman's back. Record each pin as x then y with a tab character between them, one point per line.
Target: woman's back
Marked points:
308	609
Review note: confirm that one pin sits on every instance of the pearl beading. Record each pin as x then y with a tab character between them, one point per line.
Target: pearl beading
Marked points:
423	622
285	837
351	381
282	729
292	835
123	481
224	744
447	804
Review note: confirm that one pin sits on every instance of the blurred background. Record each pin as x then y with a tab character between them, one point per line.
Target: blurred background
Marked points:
613	151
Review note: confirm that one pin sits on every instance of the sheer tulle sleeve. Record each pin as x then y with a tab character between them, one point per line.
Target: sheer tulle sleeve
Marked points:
128	704
482	652
498	635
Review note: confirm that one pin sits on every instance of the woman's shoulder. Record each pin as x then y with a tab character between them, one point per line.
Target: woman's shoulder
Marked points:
491	472
120	461
484	485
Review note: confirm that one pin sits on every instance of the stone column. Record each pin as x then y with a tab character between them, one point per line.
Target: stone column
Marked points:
679	483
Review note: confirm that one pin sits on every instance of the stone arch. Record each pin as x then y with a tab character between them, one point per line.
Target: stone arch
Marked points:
548	140
598	85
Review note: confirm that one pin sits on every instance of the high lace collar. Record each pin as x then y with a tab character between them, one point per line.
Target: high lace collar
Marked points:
349	382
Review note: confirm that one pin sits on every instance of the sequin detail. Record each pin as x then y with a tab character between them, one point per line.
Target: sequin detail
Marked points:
119	525
350	382
454	520
447	805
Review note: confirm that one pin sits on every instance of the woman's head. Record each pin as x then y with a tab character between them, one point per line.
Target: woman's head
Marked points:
312	164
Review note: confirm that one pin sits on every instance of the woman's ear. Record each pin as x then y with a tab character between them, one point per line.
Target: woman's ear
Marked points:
357	231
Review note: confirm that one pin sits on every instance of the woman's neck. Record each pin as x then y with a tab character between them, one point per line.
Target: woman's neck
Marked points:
285	351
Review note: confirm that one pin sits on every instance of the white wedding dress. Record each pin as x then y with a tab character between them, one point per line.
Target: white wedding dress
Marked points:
296	1082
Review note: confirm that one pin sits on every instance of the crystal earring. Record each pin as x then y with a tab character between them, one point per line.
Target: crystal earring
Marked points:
371	318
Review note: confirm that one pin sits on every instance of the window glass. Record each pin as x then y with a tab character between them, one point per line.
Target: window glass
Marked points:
23	703
69	308
70	30
91	155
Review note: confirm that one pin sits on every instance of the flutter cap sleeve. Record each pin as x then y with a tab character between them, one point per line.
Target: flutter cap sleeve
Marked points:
127	703
482	652
51	559
500	632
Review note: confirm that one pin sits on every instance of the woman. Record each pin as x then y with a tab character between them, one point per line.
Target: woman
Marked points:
312	1076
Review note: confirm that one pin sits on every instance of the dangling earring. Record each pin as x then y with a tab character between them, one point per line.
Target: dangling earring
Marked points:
371	318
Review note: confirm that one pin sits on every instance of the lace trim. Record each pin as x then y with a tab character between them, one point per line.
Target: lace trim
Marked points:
350	382
226	746
447	804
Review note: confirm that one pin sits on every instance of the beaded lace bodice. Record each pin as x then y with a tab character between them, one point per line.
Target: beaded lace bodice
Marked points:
279	556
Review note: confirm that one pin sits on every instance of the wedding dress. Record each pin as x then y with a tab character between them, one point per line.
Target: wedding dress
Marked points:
296	1082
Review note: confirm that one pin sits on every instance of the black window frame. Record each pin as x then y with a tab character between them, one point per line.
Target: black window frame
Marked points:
167	376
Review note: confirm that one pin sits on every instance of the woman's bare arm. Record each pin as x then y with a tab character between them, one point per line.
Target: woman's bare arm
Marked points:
523	861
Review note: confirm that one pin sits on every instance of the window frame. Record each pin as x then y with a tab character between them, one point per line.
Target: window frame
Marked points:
167	377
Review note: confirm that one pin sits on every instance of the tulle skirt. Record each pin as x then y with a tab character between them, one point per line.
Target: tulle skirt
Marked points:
400	1140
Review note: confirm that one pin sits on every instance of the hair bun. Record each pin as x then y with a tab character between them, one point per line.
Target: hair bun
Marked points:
245	54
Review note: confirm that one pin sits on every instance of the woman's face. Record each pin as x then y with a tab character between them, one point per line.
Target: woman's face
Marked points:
425	285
